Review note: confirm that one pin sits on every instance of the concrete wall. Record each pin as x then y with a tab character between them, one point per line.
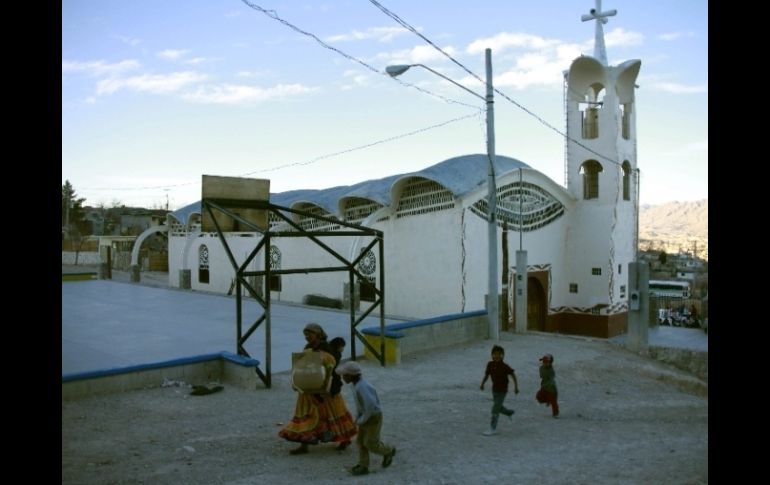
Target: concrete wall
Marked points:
223	367
437	262
444	333
423	274
85	257
304	253
600	326
420	335
692	361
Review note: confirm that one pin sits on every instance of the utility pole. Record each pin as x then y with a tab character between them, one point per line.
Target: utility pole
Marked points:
504	309
493	312
522	278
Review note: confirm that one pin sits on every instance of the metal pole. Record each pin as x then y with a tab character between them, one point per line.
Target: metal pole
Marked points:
504	308
492	305
522	278
521	210
493	313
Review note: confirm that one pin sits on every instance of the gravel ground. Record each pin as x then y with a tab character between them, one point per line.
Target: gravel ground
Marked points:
624	419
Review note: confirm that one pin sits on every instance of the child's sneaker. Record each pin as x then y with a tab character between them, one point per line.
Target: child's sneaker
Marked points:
490	432
510	416
388	459
359	470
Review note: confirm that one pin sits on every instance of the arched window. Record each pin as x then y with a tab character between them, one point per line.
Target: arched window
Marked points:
590	171
310	223
626	180
357	209
421	195
625	117
367	267
203	264
590	107
275	264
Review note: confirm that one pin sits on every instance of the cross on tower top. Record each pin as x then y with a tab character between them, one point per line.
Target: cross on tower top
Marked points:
600	52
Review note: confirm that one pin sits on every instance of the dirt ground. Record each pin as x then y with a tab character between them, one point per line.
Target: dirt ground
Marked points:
624	419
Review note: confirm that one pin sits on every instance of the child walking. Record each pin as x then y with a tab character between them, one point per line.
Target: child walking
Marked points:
548	393
369	419
336	347
499	371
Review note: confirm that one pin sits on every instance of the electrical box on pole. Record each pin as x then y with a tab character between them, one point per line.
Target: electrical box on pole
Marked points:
638	307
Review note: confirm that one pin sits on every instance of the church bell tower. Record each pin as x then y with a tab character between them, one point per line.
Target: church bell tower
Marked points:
602	176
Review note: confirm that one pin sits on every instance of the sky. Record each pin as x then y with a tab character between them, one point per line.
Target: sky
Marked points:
156	94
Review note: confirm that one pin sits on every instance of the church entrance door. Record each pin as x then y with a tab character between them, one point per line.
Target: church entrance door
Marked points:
536	305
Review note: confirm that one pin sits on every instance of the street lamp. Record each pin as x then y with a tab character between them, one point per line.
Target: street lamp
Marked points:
493	313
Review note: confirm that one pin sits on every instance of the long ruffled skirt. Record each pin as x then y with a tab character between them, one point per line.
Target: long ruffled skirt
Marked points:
320	419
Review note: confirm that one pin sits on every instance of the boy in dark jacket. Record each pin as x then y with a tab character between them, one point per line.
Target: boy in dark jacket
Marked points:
499	371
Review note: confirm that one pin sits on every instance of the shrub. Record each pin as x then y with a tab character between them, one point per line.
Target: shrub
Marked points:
322	301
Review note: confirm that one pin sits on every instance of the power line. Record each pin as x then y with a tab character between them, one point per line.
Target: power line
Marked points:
407	26
368	145
146	187
274	16
308	162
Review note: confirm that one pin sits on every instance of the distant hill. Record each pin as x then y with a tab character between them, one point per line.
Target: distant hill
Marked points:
675	227
675	219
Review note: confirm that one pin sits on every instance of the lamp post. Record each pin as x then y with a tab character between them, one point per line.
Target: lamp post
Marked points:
493	312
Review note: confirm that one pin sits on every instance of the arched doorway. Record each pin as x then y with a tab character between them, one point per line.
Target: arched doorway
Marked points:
536	305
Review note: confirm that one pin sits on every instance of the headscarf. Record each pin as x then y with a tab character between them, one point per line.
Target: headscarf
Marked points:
316	329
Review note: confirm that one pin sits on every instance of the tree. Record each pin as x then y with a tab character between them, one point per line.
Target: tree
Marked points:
74	225
663	257
72	214
76	241
110	216
113	217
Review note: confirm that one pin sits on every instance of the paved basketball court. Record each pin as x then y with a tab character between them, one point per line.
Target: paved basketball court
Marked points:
108	324
111	324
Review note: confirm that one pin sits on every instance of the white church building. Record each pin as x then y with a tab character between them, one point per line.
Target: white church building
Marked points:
579	239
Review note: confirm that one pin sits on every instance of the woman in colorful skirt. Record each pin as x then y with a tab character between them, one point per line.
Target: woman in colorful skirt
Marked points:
320	417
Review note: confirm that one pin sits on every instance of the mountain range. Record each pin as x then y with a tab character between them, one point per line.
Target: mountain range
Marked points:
675	227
